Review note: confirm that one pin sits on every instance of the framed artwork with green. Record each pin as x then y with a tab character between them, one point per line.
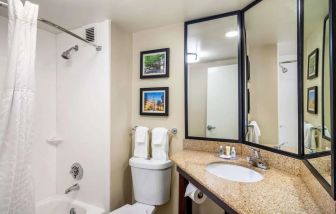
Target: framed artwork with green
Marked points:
313	64
154	63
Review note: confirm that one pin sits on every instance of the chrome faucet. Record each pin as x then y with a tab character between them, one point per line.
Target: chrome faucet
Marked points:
256	160
74	187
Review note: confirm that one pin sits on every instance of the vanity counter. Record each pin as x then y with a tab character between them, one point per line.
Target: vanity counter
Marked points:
278	192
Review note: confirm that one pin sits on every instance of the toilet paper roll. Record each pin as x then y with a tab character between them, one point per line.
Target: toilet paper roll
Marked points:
195	194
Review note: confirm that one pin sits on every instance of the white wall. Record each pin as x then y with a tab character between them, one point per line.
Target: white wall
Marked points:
84	115
197	83
44	155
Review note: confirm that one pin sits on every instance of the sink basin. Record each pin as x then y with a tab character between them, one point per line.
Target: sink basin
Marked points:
234	172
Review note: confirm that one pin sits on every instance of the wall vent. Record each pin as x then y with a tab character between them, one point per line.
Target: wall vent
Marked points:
90	34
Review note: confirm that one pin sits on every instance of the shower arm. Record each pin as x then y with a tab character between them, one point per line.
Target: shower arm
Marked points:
98	47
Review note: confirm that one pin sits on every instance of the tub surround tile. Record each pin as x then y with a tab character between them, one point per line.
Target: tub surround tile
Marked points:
278	192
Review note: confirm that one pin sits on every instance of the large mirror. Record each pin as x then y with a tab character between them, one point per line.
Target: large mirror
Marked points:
317	115
316	87
212	78
272	75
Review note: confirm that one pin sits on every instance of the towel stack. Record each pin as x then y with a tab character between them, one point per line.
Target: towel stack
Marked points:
160	143
141	142
254	132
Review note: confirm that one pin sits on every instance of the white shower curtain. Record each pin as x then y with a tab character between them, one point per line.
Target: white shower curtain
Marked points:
16	111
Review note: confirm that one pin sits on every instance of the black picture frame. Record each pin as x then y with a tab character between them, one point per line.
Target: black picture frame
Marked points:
313	72
313	109
164	74
165	91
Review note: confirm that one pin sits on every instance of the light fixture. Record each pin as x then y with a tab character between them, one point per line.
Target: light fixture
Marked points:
192	57
231	34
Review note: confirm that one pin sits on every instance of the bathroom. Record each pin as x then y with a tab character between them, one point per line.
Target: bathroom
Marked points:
236	116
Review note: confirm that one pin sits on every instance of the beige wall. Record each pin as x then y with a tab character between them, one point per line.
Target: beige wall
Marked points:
313	41
164	37
121	74
264	91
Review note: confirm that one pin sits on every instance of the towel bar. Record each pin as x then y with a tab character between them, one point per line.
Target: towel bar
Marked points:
171	131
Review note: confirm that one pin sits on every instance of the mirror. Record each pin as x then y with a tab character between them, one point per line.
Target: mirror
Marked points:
271	75
212	78
317	122
316	84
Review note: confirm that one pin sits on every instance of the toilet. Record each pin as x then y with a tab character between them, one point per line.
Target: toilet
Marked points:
151	185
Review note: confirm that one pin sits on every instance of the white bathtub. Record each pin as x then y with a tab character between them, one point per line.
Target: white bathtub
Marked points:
62	205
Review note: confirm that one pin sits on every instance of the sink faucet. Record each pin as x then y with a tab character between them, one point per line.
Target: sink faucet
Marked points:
74	187
256	160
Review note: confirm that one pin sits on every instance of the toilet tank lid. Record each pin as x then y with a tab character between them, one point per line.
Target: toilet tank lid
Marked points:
150	164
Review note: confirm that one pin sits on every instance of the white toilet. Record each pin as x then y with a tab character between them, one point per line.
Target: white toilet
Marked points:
151	185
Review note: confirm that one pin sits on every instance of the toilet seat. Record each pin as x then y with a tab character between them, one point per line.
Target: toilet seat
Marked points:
136	208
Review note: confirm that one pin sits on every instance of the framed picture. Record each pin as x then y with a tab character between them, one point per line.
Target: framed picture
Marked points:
312	100
154	101
313	64
154	63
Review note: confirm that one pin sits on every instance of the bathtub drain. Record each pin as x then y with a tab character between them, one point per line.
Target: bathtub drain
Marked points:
72	211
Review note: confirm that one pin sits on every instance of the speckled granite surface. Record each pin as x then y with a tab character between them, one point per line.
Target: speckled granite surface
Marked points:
278	192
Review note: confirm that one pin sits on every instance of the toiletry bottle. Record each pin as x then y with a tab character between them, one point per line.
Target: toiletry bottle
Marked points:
233	152
227	150
221	151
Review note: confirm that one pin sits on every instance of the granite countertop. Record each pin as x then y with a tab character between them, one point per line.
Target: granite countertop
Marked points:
278	192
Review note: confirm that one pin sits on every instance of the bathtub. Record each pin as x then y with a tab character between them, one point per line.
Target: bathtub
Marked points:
62	205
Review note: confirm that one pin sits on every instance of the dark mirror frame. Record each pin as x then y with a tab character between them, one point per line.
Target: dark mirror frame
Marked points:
323	75
186	24
330	188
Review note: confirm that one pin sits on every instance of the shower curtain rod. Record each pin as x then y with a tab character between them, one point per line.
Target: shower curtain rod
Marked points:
98	47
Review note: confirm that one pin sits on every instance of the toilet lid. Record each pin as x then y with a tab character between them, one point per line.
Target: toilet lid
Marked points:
136	208
150	164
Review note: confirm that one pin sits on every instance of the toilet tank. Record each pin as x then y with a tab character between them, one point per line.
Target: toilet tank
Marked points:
151	180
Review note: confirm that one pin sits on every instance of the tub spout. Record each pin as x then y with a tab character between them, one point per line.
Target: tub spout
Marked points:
72	188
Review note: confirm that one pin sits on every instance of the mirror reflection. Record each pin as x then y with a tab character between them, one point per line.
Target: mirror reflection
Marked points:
271	71
326	123
212	60
323	166
316	77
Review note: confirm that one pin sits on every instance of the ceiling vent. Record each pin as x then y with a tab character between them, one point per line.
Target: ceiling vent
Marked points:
90	34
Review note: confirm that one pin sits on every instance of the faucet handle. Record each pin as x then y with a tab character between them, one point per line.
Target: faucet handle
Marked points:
255	152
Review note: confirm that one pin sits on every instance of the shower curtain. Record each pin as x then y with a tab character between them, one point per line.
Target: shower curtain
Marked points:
16	111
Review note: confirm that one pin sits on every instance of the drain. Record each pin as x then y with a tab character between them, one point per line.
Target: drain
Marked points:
72	211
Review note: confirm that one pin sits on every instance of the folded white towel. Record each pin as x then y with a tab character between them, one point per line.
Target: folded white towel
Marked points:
141	142
326	132
160	144
254	132
308	133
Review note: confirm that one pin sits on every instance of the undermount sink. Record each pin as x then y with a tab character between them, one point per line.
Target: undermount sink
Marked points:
234	172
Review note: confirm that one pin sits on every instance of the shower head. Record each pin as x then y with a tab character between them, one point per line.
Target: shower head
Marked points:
67	54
